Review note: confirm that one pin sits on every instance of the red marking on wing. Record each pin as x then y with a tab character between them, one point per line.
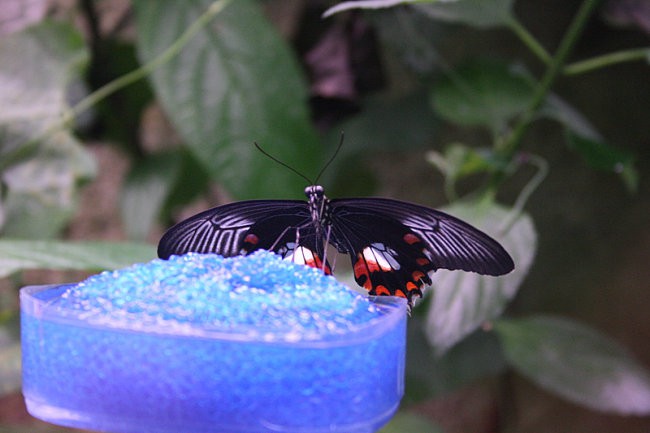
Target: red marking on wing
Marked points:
411	239
410	286
382	291
251	239
373	266
364	267
361	268
317	263
305	256
417	275
382	282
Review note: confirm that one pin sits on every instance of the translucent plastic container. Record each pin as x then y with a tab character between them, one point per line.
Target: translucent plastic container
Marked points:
110	377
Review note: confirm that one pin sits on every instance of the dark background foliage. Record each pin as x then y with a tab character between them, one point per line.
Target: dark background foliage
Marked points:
181	141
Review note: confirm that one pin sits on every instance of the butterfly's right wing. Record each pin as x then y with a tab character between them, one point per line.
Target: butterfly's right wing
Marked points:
241	228
394	245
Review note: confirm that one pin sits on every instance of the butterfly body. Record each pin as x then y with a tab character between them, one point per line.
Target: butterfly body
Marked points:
393	245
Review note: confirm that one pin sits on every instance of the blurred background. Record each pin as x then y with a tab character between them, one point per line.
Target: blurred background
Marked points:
180	140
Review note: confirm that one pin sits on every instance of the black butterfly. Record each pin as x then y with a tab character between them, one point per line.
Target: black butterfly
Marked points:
393	244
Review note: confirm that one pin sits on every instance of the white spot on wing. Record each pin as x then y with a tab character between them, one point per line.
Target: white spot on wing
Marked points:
300	255
379	254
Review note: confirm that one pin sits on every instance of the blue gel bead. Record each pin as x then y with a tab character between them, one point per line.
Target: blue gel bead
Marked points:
200	343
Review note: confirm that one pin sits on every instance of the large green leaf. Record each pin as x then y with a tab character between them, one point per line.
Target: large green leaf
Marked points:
18	255
576	362
45	59
463	301
235	82
42	190
482	93
40	164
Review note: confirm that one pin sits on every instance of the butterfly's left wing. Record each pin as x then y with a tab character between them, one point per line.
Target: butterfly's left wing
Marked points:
395	244
282	226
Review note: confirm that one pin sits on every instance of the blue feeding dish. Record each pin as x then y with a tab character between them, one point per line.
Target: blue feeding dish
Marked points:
199	343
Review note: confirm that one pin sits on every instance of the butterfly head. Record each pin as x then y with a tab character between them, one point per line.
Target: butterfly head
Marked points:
314	191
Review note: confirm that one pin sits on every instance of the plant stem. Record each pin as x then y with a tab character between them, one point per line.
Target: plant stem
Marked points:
529	40
528	189
513	141
607	60
145	69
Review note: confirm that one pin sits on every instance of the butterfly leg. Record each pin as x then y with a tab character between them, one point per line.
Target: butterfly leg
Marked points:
325	244
275	243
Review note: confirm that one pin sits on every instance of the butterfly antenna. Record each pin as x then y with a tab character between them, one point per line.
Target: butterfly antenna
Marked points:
336	152
284	164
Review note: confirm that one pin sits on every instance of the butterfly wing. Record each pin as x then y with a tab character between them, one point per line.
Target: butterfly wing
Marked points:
394	245
283	226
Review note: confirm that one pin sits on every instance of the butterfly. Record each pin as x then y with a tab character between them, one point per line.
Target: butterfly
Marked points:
394	245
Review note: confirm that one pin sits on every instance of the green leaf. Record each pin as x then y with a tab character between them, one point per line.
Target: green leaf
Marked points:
45	59
42	191
404	422
576	362
234	83
368	4
18	255
40	165
459	161
602	156
463	301
464	161
477	13
482	93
